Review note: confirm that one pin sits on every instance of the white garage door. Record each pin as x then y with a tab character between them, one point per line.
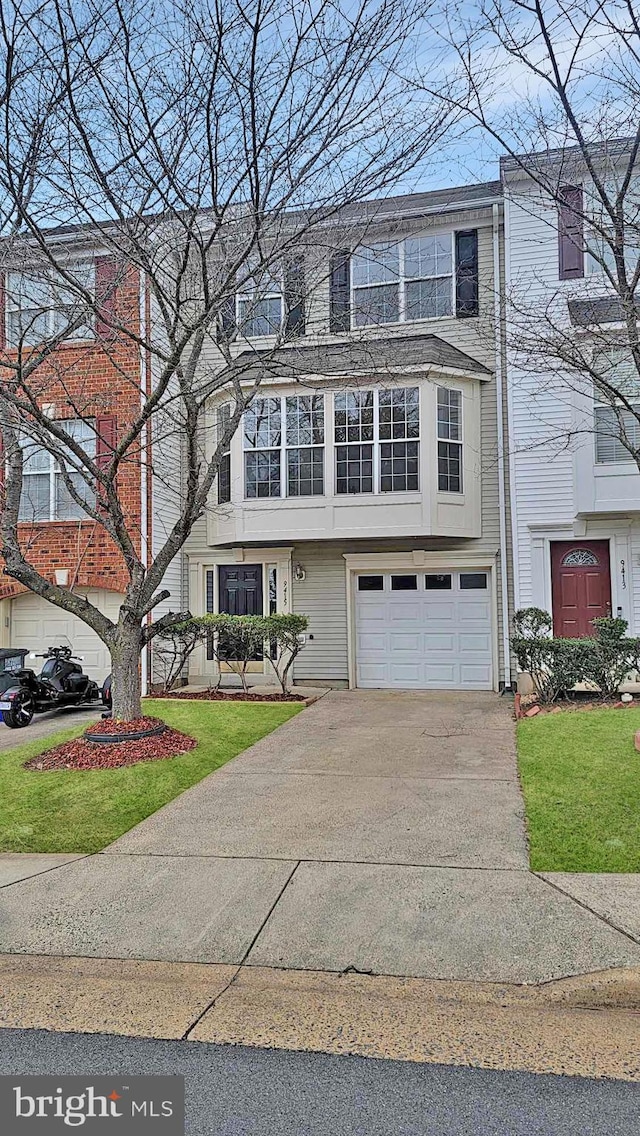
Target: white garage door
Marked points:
37	625
424	630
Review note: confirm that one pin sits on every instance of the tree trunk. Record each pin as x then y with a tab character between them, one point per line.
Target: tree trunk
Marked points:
126	688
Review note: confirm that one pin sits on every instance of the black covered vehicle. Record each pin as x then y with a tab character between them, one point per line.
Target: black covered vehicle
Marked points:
61	682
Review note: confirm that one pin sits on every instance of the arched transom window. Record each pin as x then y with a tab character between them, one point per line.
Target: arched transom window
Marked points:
580	558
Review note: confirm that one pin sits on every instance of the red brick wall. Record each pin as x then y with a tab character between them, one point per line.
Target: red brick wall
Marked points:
98	379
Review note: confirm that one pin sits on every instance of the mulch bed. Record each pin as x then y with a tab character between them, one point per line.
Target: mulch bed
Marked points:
230	696
83	754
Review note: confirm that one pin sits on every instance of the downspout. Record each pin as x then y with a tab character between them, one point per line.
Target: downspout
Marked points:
144	509
502	495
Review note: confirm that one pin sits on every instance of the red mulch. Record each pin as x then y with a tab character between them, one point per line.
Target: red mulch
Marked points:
115	726
84	754
230	696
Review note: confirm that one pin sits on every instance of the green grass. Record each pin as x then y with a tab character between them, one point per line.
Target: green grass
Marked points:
84	811
581	779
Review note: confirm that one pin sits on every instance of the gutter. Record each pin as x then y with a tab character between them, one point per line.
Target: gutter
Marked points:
502	495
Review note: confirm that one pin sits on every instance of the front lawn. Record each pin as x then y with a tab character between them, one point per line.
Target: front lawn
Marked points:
69	811
581	779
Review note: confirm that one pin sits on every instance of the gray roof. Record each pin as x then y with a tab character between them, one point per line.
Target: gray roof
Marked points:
612	148
367	357
413	204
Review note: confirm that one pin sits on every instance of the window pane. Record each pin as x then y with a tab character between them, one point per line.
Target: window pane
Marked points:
354	469
261	317
609	448
354	416
428	256
398	466
262	424
67	509
262	473
305	472
473	581
404	583
429	299
376	305
224	480
83	433
450	467
29	326
370	583
36	459
305	420
375	265
438	583
399	413
34	500
449	414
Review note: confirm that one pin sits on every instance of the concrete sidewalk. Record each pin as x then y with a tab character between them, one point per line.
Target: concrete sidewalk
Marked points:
377	831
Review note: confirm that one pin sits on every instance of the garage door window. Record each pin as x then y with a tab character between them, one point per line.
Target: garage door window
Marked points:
438	583
473	581
370	583
404	583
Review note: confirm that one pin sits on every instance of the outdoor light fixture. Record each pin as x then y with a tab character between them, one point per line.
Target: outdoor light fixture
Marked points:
299	572
62	577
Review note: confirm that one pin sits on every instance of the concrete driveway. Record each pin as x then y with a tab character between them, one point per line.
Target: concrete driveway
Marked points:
377	831
43	725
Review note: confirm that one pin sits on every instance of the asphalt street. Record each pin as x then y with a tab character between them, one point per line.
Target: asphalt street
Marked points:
252	1092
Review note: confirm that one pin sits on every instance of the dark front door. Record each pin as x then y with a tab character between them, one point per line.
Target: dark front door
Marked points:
581	586
240	594
241	589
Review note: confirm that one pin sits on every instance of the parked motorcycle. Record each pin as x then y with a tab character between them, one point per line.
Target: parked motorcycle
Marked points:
61	682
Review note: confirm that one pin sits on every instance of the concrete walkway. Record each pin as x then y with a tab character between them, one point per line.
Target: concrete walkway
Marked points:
377	831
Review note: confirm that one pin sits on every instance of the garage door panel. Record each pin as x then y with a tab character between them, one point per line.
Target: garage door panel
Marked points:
38	625
429	639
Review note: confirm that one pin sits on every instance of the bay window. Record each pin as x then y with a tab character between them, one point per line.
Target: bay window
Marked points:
612	421
45	496
377	440
284	446
449	432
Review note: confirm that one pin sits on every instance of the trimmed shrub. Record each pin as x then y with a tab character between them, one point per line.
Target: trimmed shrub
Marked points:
557	665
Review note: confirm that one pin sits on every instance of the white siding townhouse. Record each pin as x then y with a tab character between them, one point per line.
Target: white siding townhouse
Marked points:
575	492
366	487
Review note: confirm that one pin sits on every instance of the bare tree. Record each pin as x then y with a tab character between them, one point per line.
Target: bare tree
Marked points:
192	149
556	88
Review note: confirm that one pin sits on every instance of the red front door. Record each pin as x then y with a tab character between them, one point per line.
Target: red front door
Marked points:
581	585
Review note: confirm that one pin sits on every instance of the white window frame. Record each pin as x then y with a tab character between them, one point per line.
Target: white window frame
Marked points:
600	403
284	449
52	473
80	335
403	281
248	293
450	441
376	442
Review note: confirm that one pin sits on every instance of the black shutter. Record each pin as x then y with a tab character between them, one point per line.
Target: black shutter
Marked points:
294	298
339	291
467	300
570	233
227	316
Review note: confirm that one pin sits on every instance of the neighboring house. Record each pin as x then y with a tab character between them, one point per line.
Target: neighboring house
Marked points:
575	490
366	487
102	373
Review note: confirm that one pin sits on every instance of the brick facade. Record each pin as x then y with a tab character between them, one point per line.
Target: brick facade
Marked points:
98	379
